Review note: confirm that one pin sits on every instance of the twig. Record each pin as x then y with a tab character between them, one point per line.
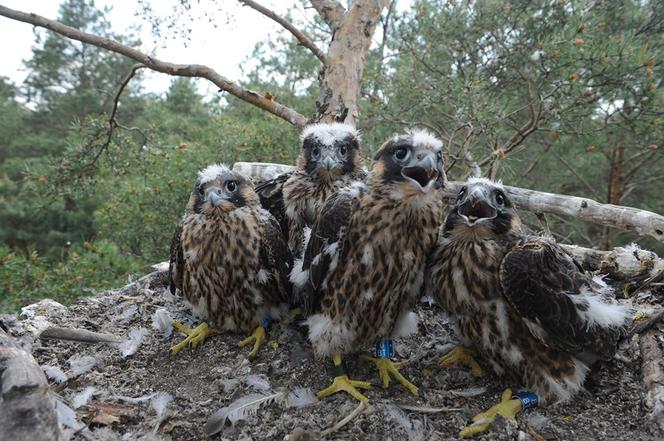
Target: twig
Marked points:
112	119
183	70
647	323
79	335
299	35
358	410
429	409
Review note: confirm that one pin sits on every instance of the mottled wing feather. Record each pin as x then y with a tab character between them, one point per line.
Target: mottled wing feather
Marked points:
539	279
176	262
276	256
271	195
333	220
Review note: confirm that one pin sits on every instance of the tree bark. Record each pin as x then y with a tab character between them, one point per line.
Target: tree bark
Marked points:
341	76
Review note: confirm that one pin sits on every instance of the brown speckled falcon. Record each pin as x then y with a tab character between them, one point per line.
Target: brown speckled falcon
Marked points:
363	267
229	260
329	160
519	300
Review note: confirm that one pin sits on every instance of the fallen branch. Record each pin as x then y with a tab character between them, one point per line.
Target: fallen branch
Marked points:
27	407
79	335
645	223
358	410
182	70
652	371
299	35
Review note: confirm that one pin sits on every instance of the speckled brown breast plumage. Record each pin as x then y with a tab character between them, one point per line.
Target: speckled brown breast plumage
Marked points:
520	300
366	255
304	196
229	260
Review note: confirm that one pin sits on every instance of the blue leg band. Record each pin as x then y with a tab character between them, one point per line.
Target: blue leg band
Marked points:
385	349
528	400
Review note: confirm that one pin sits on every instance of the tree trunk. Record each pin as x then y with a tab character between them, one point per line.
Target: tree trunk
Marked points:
341	76
616	187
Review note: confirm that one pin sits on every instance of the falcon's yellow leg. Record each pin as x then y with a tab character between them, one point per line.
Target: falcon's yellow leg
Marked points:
291	316
195	336
387	368
461	355
508	407
256	338
341	382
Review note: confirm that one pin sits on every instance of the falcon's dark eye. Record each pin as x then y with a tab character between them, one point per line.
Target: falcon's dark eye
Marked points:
500	198
462	193
231	186
439	155
315	153
343	150
401	153
200	189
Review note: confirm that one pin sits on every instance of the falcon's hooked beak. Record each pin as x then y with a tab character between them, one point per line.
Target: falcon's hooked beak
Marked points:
214	195
329	161
422	171
477	207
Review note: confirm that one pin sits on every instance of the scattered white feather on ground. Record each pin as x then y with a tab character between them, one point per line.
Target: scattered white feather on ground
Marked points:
130	346
54	373
162	322
413	428
67	416
80	364
240	409
83	397
159	403
259	382
301	397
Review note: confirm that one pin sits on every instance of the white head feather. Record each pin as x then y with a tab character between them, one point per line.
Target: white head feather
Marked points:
328	133
211	172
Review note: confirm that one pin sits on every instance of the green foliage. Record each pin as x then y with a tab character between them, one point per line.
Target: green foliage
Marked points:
27	278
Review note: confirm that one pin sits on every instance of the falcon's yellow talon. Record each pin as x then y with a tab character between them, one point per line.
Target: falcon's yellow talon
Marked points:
343	383
507	408
195	337
387	369
256	338
461	355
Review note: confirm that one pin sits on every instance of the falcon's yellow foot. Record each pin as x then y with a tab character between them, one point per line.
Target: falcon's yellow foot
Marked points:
195	336
387	369
507	408
341	383
461	355
256	338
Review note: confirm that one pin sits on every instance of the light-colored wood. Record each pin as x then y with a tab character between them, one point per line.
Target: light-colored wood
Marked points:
341	77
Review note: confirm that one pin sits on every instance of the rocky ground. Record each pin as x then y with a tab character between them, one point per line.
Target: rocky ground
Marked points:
137	390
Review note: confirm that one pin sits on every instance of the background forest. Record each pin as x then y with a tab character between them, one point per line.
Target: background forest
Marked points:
560	96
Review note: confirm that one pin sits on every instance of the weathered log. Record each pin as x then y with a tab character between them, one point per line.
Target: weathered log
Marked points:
645	223
26	406
619	263
652	371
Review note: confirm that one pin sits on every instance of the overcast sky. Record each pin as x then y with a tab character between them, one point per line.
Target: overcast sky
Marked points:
223	48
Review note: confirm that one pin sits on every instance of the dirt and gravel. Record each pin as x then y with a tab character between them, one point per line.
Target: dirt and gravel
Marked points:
142	392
